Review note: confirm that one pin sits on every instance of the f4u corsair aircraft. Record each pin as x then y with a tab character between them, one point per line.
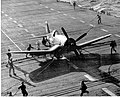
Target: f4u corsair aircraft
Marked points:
69	45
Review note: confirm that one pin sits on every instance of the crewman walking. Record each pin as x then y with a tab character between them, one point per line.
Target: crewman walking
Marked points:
99	19
113	45
74	4
10	63
23	89
83	88
29	48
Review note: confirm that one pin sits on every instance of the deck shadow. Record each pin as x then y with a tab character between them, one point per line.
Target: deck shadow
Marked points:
57	68
23	71
61	67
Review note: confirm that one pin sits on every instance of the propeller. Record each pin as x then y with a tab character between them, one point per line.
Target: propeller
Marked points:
71	43
65	33
81	37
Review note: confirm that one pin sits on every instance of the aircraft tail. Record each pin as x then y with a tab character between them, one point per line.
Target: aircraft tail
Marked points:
47	27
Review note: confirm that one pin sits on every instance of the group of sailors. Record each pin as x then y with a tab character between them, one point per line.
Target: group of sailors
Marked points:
12	67
23	90
10	59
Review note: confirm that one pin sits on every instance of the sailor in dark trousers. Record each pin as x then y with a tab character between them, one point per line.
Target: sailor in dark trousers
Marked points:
29	48
10	94
113	45
99	19
74	4
44	41
83	88
9	56
23	89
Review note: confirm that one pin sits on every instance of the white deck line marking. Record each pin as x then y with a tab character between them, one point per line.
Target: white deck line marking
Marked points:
73	17
104	30
65	14
117	35
82	21
46	6
6	15
51	9
22	44
11	40
90	77
26	30
58	11
15	21
108	92
20	25
33	35
10	18
92	25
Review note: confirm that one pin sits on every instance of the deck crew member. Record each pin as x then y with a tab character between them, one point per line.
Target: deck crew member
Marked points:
113	45
99	19
29	48
38	45
10	94
11	67
74	4
83	88
46	42
23	89
9	54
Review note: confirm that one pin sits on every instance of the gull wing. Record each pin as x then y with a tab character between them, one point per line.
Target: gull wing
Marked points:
38	52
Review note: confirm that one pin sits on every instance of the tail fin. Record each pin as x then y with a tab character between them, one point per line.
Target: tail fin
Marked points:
47	27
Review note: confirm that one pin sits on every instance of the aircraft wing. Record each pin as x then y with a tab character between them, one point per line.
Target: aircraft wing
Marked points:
88	43
38	52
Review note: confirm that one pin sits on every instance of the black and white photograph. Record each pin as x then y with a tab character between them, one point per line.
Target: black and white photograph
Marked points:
60	48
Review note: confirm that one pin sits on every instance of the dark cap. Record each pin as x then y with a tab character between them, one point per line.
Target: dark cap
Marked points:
8	49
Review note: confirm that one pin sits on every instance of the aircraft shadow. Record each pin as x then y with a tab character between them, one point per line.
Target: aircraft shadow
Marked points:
22	80
90	64
23	71
56	68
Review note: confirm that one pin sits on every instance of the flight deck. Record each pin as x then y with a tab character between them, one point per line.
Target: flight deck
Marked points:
22	20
